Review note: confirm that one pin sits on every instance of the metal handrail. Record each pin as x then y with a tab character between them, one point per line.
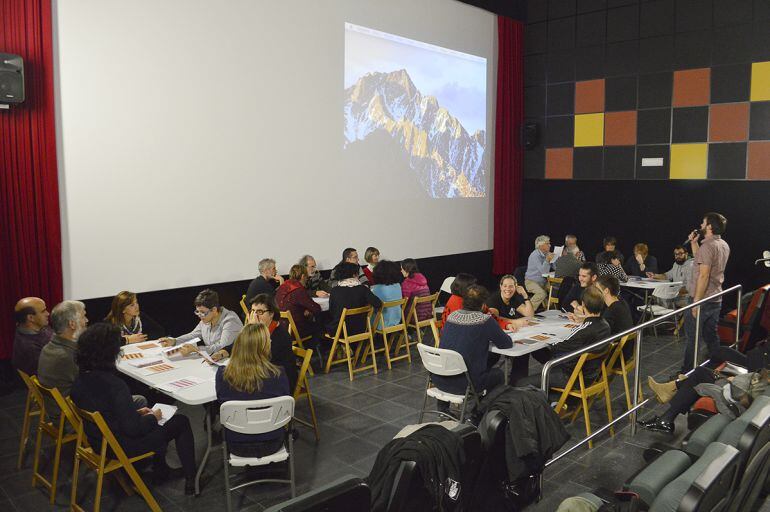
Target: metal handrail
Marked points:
637	359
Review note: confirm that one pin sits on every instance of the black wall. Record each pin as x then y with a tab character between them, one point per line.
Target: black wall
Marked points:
173	308
659	213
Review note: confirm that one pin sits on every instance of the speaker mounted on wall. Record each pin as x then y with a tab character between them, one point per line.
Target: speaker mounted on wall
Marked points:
530	135
11	78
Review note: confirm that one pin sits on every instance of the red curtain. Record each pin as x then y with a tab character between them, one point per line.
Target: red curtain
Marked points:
30	231
508	149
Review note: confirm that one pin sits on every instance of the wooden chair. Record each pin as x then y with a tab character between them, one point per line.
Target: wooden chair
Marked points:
302	389
618	365
344	339
400	329
244	308
31	409
436	335
553	291
600	386
55	431
102	463
299	341
412	320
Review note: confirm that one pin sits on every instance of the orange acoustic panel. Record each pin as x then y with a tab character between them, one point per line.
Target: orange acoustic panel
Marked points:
589	97
620	128
558	163
692	87
759	160
729	122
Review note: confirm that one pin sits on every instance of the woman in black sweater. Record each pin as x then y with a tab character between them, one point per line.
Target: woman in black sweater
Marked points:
251	376
98	388
350	293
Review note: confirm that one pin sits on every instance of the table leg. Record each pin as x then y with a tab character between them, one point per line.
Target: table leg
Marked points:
507	367
206	453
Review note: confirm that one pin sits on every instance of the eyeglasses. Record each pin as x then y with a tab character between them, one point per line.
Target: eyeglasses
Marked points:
260	311
679	253
201	314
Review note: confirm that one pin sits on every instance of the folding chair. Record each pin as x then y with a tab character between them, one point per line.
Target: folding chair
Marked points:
664	292
618	365
553	291
436	335
31	409
446	363
102	463
400	328
584	392
257	417
345	339
303	387
413	321
446	287
299	341
56	432
244	308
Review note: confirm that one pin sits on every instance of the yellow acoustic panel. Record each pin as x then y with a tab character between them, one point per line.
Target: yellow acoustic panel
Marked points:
689	161
589	130
760	81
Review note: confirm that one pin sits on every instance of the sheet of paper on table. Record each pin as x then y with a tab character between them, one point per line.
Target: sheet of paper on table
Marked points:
179	384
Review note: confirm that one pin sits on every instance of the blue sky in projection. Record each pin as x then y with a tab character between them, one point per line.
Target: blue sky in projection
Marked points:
458	81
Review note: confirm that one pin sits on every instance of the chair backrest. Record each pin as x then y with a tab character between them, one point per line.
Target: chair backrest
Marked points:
422	305
348	493
304	354
243	306
666	291
753	315
379	321
31	388
54	395
446	286
435	332
703	486
756	432
347	313
96	419
617	359
441	361
753	482
286	315
256	416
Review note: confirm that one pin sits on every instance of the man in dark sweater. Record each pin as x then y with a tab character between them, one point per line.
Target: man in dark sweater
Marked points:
586	277
32	333
266	282
469	331
593	329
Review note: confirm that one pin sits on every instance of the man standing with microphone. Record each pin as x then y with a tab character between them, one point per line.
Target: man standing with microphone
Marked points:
706	279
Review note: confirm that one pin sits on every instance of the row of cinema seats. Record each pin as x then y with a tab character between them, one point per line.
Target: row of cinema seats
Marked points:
722	466
484	479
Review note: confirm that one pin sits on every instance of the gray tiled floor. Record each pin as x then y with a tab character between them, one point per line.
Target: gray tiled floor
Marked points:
356	419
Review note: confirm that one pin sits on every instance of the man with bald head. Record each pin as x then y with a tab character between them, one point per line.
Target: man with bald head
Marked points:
32	333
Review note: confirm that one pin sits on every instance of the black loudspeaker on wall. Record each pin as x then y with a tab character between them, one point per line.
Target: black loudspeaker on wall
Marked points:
530	135
11	78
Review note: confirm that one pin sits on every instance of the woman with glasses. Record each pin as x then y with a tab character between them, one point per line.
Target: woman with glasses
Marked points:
135	325
217	329
264	311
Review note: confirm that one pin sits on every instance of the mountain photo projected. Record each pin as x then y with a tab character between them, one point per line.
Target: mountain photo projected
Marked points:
419	106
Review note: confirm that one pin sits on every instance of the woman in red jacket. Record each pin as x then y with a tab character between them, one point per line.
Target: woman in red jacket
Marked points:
415	285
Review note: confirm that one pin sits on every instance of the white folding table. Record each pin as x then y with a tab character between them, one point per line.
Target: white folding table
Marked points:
203	393
646	284
553	324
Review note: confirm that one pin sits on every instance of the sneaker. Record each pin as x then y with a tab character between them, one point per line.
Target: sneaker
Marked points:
657	425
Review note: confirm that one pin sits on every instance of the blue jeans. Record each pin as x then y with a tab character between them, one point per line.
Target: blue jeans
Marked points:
709	317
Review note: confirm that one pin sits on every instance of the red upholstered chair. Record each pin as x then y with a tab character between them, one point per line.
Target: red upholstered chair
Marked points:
751	321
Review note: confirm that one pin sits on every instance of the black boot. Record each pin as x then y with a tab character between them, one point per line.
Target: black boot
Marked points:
657	424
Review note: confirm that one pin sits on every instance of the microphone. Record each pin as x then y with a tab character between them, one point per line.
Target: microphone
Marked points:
696	230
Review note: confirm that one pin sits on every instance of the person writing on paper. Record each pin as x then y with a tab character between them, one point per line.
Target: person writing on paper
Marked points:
593	328
135	326
217	329
252	376
98	388
511	305
265	311
538	263
316	284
